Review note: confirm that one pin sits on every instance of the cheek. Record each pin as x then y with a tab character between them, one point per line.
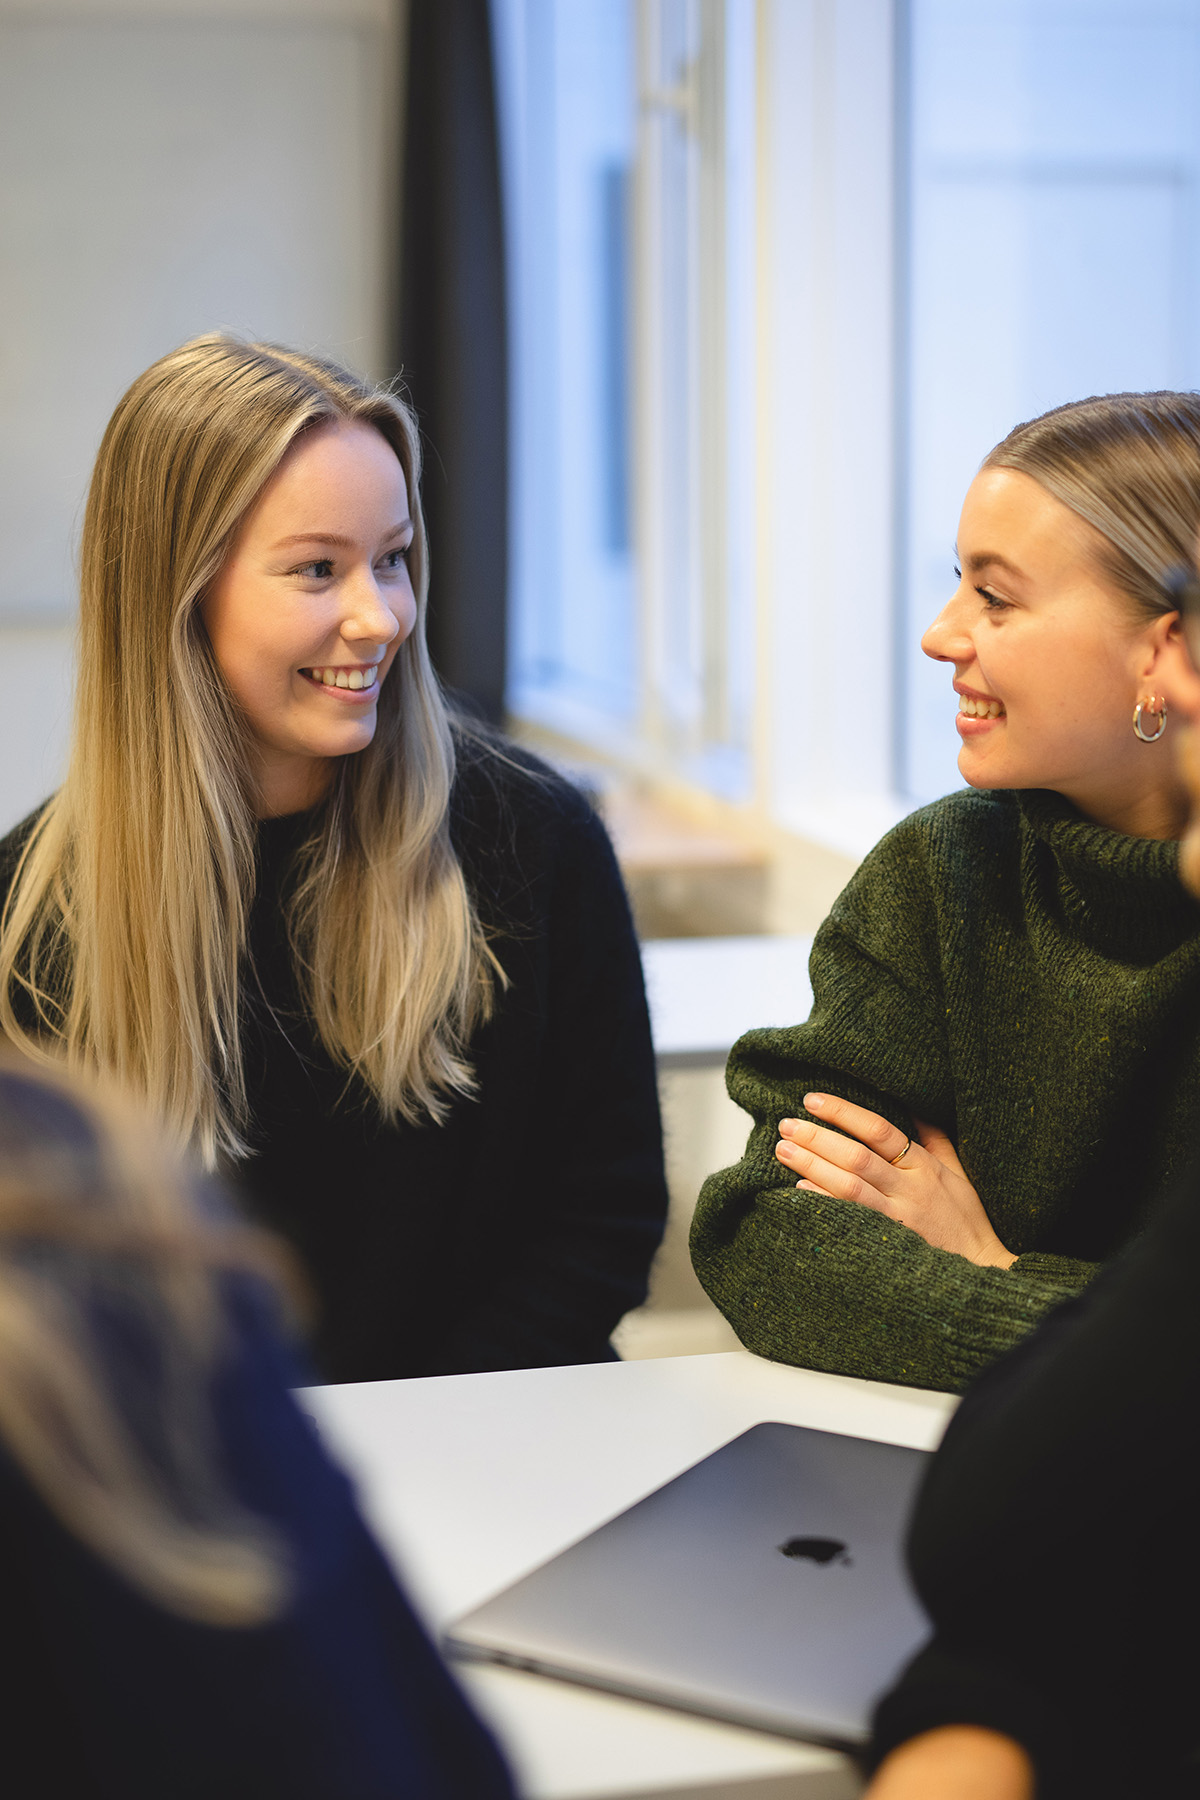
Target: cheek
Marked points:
1058	684
1189	858
257	667
233	620
404	610
227	640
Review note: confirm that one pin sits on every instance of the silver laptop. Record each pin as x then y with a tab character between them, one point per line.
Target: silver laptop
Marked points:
764	1586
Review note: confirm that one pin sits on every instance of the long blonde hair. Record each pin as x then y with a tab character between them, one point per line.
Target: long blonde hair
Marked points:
123	932
98	1221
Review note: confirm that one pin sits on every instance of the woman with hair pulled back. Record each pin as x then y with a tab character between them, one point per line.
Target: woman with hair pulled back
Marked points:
366	956
1001	1061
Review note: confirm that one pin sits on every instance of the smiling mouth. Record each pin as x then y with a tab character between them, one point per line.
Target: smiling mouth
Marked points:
979	709
357	678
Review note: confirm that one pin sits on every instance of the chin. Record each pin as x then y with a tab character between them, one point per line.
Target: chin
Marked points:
347	743
984	779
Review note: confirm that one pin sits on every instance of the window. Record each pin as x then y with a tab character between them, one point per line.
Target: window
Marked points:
568	129
629	139
784	270
1052	232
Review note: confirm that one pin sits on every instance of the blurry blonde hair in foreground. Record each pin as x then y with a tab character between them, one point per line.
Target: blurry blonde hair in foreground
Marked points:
96	1214
125	926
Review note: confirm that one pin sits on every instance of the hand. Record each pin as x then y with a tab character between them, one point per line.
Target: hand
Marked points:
955	1762
922	1185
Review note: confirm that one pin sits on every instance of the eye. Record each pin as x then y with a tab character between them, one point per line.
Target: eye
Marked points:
992	602
394	560
957	571
316	571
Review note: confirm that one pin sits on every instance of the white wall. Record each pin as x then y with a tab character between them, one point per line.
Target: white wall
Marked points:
166	167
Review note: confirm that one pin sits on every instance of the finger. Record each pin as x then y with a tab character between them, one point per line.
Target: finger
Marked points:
935	1140
841	1183
845	1152
869	1127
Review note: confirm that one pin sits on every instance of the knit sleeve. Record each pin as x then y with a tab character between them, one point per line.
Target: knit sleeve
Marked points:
820	1282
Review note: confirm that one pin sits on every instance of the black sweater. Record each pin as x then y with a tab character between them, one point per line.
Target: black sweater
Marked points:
519	1232
1055	1542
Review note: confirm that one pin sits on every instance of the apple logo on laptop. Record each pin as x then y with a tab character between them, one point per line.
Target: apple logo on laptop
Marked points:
820	1550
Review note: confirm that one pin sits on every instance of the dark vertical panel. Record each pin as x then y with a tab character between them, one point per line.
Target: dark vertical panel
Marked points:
452	338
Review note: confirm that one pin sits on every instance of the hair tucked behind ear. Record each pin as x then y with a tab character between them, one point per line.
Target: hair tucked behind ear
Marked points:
125	927
1130	465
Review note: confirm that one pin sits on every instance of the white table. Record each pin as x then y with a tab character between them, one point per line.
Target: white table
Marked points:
704	992
472	1480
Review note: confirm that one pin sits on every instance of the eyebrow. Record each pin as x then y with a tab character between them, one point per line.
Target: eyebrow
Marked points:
332	538
988	559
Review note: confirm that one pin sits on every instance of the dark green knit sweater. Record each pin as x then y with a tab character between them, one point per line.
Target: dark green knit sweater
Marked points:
1031	983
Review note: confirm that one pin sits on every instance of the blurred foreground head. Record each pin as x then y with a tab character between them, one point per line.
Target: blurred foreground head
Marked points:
1185	696
110	1338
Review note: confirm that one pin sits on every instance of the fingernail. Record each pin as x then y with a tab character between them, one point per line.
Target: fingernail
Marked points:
788	1124
814	1102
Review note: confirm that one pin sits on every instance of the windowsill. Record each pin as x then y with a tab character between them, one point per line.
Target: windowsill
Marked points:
848	824
698	866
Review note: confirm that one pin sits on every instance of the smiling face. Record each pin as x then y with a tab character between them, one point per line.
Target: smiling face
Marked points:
1050	660
310	606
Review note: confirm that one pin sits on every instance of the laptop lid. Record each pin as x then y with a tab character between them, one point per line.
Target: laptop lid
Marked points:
764	1586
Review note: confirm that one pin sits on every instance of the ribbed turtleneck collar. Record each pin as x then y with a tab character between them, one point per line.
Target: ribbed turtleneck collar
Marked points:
1124	891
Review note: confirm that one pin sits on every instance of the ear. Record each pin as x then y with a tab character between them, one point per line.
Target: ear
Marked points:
1173	671
1161	646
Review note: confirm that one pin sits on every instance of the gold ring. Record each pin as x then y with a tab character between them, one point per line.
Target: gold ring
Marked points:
907	1147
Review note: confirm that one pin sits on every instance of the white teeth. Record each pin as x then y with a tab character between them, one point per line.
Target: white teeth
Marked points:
344	678
979	709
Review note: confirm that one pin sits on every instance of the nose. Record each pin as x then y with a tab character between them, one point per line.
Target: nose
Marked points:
370	616
948	639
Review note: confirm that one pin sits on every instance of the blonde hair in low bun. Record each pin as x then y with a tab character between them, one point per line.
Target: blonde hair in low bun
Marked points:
1129	464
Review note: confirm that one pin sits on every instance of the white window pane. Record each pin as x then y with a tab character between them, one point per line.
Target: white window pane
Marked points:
1054	159
567	117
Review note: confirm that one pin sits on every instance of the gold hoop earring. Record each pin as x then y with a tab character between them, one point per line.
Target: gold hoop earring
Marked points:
1159	709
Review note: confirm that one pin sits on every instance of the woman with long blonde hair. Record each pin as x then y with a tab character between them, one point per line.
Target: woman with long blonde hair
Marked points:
192	1604
374	961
